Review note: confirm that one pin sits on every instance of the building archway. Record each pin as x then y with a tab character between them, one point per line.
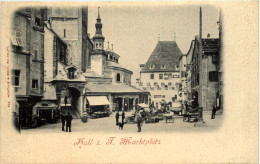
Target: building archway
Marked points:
70	101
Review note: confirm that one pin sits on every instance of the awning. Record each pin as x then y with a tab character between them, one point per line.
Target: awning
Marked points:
143	105
46	105
97	100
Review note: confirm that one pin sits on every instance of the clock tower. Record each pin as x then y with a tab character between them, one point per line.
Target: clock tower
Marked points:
98	39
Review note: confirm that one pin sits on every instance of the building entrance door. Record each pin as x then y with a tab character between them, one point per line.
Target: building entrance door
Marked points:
119	103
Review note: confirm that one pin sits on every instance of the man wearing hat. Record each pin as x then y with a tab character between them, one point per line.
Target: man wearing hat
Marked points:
63	118
68	122
138	118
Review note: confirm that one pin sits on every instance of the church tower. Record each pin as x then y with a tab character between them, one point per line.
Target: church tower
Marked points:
98	56
98	39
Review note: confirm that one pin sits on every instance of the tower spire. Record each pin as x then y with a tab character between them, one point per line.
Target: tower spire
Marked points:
98	38
98	24
98	13
200	34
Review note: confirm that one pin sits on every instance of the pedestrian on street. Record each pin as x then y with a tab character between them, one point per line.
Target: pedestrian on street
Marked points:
66	100
138	119
186	108
213	112
164	108
123	117
117	117
68	122
63	118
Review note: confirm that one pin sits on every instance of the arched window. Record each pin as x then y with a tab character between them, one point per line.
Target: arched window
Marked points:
118	77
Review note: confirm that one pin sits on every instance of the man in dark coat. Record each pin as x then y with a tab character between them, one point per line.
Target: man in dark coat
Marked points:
117	117
63	118
138	119
68	122
214	110
66	100
186	107
123	117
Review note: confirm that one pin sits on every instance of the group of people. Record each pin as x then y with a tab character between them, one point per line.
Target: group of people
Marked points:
66	118
137	118
122	116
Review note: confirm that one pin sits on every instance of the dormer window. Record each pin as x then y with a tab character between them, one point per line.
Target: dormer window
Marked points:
110	57
163	67
152	66
71	73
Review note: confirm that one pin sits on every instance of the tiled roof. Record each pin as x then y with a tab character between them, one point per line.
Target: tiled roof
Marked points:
190	52
164	58
91	73
116	65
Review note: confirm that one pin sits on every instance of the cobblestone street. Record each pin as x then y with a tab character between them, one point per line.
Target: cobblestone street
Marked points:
107	124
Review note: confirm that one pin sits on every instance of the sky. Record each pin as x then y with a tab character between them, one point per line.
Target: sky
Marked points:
135	31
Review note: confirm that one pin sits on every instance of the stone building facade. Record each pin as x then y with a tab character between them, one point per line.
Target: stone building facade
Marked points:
161	75
183	75
71	24
220	67
67	56
204	70
204	76
27	51
188	70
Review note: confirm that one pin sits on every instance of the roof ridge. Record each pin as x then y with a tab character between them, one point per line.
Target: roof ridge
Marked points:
164	57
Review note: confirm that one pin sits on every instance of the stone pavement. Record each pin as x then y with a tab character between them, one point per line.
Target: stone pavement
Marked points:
108	124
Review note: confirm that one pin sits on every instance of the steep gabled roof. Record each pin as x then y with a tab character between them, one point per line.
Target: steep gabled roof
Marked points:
164	58
190	52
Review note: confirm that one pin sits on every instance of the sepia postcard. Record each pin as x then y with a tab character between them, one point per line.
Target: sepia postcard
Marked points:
129	82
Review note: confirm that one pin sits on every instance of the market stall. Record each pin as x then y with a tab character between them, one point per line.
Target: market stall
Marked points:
46	111
97	106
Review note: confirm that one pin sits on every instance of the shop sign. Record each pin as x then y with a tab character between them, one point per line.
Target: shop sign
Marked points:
159	96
